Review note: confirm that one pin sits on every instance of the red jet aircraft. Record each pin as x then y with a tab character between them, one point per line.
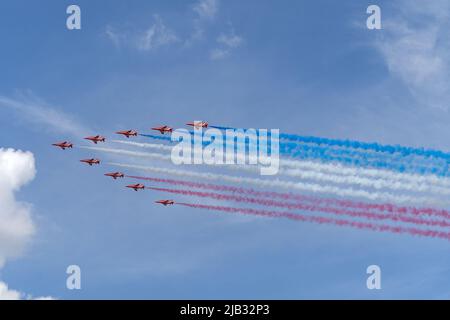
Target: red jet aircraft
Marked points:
198	124
163	129
91	161
96	139
128	133
115	175
165	202
136	187
63	145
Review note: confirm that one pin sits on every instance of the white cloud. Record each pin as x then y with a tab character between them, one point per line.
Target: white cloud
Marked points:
17	168
415	47
227	43
16	227
10	294
34	110
156	36
207	8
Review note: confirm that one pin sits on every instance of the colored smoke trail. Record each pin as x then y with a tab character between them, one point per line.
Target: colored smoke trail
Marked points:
371	146
223	128
336	172
364	159
350	157
386	207
156	137
323	220
305	207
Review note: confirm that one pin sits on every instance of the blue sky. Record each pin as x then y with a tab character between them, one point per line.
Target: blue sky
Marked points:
307	67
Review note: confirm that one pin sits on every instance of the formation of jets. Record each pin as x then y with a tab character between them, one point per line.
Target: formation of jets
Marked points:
127	133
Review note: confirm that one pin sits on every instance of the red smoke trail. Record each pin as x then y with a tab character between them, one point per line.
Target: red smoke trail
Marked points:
322	220
306	207
386	207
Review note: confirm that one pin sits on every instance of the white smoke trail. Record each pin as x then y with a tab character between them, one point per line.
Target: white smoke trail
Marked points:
339	174
391	184
274	183
157	156
368	172
144	145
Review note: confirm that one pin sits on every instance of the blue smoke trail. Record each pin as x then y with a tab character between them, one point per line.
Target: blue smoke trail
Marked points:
365	160
374	146
376	160
287	149
156	137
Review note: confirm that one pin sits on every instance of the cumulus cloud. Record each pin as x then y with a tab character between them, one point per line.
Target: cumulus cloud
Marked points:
227	43
16	226
17	168
10	294
415	46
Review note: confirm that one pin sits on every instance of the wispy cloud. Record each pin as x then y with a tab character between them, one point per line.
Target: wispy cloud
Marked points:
34	110
205	12
415	47
157	35
226	44
112	34
206	9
